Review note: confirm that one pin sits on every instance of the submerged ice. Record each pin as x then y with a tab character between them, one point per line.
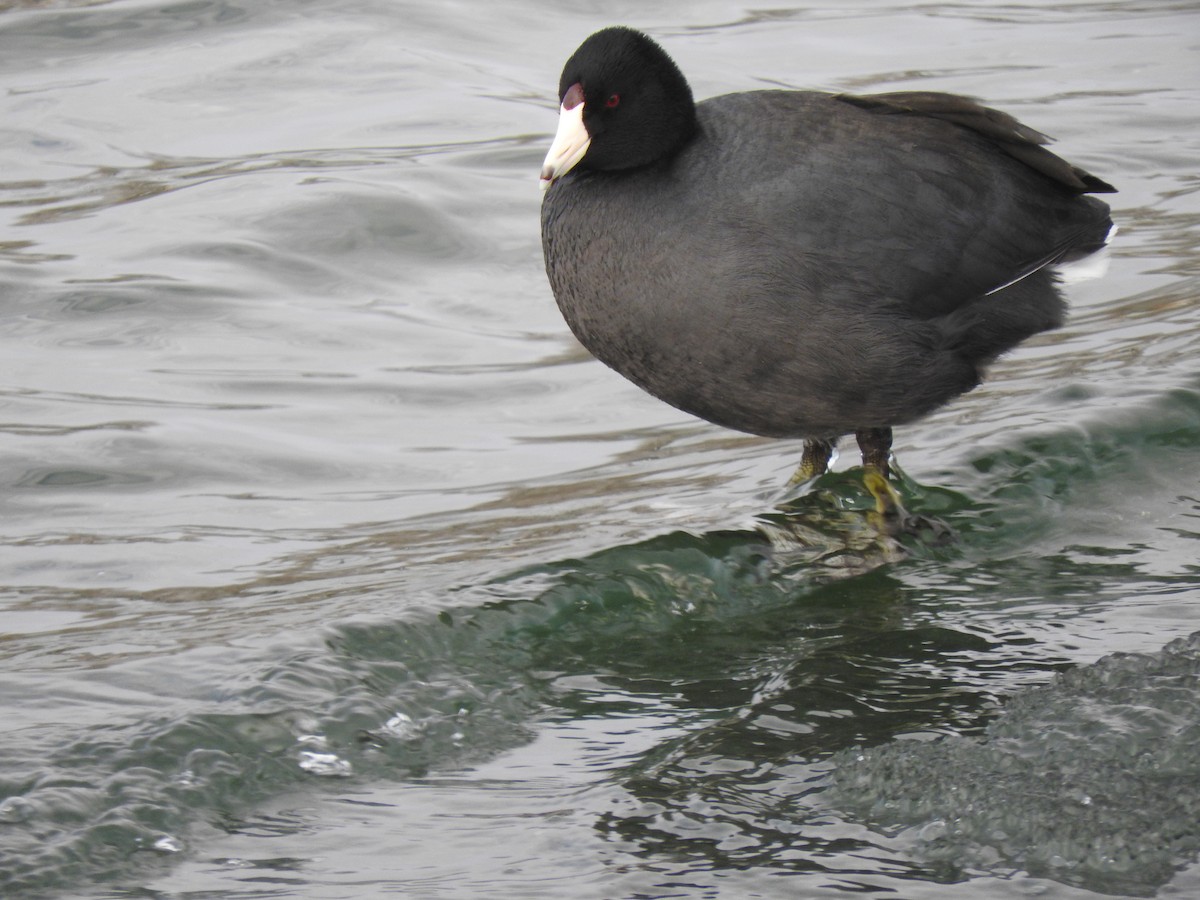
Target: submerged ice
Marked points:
1092	779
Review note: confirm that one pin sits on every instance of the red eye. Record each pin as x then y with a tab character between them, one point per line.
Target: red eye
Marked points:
613	101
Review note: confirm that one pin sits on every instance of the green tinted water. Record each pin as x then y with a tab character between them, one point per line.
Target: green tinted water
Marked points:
331	567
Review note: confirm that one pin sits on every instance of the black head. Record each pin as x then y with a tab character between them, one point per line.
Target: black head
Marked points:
637	106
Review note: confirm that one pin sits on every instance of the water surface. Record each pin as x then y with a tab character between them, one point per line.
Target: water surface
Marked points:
330	565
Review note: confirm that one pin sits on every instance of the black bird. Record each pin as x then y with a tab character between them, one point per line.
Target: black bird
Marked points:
798	264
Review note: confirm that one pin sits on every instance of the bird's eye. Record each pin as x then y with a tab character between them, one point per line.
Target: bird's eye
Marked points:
613	101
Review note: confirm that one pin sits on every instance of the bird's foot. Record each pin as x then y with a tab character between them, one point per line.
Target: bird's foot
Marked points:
889	515
814	462
891	519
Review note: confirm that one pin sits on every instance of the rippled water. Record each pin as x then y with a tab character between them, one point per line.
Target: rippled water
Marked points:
332	567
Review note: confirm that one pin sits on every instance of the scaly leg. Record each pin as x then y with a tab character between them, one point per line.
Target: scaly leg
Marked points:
876	447
814	461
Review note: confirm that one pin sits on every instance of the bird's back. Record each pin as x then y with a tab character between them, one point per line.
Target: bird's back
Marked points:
809	260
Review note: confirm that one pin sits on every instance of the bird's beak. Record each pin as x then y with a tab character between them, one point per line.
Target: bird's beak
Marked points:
571	141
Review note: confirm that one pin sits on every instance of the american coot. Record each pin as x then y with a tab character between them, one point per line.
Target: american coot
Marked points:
798	264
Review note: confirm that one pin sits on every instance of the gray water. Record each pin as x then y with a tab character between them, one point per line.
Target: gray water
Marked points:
330	566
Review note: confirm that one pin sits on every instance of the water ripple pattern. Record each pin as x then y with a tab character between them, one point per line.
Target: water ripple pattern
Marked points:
330	565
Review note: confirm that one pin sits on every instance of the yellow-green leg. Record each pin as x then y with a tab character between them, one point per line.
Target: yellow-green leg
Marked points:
814	461
876	447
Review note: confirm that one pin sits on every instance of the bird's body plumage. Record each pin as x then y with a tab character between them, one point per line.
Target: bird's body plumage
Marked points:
807	265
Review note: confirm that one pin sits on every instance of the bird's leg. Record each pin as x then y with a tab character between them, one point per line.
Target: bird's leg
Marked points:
876	447
814	461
